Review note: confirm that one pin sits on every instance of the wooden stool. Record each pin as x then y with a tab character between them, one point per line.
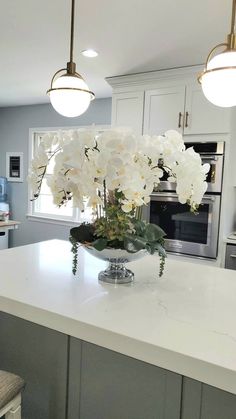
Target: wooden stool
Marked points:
11	386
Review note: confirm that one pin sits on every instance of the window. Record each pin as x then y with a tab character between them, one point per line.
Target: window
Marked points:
43	207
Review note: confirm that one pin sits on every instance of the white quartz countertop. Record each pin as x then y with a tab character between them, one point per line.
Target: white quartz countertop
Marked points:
184	322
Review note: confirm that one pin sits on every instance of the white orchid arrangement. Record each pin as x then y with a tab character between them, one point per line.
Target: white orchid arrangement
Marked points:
114	172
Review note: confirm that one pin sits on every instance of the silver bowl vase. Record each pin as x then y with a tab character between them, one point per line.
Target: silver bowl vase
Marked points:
116	272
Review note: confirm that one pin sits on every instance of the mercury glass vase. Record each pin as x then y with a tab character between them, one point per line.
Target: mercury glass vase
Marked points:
116	272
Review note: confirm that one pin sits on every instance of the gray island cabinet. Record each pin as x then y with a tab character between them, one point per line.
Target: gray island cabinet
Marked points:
158	349
71	379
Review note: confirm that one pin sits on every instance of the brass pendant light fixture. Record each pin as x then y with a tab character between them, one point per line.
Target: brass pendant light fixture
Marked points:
218	78
69	94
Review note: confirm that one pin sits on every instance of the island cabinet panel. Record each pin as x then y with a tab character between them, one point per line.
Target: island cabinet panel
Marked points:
109	385
200	401
191	399
39	355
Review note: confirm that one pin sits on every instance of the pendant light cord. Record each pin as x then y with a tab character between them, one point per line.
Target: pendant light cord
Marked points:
233	17
72	30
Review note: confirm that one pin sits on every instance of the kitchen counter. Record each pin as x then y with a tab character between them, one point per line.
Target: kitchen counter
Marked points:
231	239
183	322
9	225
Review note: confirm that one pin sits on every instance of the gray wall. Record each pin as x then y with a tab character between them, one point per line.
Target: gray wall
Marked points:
14	136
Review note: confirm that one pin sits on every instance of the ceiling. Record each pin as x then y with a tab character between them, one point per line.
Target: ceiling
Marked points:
130	35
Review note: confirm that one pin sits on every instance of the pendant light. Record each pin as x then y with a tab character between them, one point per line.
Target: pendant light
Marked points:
69	94
218	78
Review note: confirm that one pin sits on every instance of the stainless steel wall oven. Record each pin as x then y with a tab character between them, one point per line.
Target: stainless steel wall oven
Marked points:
187	233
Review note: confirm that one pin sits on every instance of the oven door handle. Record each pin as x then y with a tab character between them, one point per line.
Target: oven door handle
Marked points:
174	195
164	194
209	198
211	159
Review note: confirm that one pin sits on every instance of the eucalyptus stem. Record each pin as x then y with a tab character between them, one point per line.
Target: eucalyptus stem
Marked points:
74	249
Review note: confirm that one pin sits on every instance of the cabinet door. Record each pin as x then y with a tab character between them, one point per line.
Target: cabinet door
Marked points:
164	110
201	116
127	110
200	401
107	385
39	355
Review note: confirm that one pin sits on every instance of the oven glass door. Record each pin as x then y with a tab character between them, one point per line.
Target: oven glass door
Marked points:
187	232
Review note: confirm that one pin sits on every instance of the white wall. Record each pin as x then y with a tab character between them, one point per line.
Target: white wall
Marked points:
15	123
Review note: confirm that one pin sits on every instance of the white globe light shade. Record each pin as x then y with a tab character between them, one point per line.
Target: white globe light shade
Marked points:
70	103
219	86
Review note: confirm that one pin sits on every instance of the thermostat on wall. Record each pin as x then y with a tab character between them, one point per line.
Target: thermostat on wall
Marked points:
14	166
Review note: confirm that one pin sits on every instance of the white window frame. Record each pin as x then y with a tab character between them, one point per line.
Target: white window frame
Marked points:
33	215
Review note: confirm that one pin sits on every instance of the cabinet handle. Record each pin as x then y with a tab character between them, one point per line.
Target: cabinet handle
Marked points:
233	256
179	122
186	119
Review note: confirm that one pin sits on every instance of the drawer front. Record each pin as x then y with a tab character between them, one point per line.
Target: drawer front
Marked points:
230	257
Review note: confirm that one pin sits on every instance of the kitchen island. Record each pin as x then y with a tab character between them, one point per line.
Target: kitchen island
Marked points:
151	349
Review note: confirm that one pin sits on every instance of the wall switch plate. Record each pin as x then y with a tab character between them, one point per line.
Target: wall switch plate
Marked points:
14	166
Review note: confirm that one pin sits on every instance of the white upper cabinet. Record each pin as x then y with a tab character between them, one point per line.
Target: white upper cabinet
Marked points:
185	109
164	109
127	110
151	103
201	117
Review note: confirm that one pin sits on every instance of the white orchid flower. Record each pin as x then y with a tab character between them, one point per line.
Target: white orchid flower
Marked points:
127	206
86	160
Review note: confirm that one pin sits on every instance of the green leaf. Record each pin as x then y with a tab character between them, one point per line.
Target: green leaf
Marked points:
134	243
153	233
100	244
140	227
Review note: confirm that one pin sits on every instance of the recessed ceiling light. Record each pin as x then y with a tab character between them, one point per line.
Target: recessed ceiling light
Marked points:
91	53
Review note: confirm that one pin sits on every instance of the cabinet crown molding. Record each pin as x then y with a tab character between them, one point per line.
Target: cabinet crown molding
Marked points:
150	77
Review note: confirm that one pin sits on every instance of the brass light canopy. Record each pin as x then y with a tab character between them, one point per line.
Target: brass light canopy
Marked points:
218	78
69	94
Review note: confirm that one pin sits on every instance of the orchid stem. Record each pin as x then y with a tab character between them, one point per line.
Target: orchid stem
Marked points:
138	213
105	198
